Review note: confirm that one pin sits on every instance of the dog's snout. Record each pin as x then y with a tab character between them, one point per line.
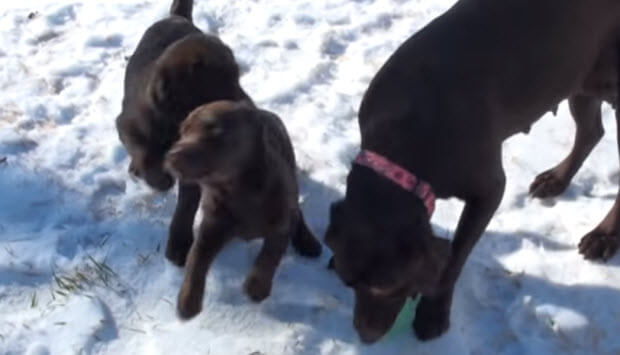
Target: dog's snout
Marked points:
161	182
182	159
173	161
366	332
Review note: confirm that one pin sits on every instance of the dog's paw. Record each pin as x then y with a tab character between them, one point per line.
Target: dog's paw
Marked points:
307	246
432	318
257	287
177	250
188	304
598	245
549	184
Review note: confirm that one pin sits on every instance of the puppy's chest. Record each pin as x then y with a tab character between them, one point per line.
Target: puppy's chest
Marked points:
258	211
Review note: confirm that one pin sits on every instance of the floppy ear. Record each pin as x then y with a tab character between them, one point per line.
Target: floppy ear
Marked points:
158	88
274	134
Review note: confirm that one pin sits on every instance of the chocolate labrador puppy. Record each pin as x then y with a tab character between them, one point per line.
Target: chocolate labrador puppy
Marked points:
435	116
174	69
244	163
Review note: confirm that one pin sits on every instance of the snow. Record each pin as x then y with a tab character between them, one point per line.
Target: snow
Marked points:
81	245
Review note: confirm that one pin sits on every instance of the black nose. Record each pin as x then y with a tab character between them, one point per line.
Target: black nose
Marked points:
161	182
367	333
369	337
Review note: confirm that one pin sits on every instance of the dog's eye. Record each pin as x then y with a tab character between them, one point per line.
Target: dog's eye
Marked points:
213	130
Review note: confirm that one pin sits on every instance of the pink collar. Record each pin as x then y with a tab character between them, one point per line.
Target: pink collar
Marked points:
399	175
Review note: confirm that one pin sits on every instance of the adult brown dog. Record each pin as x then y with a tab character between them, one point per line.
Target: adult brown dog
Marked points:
244	163
174	69
441	107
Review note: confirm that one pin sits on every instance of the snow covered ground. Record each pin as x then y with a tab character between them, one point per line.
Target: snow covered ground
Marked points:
81	245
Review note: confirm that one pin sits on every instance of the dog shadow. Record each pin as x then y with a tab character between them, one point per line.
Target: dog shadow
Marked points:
572	318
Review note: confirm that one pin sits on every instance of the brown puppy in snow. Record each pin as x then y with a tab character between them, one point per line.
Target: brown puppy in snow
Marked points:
243	161
174	69
438	112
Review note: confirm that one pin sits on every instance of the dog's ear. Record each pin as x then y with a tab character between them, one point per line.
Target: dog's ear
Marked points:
274	135
158	89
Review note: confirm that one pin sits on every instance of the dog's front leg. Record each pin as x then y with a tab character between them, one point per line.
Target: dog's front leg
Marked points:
213	235
258	283
182	224
604	240
433	313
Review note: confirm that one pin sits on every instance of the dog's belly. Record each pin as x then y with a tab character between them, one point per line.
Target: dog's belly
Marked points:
504	62
602	82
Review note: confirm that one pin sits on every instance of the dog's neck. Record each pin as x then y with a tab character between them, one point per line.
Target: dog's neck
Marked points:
399	176
380	196
250	177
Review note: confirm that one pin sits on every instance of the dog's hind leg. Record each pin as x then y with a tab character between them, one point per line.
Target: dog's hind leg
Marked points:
214	234
604	240
182	224
304	242
586	111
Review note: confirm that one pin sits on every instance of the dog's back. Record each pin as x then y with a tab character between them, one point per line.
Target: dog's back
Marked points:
485	53
154	42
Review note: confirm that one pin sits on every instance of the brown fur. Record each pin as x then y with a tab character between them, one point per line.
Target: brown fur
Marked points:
441	107
174	69
243	161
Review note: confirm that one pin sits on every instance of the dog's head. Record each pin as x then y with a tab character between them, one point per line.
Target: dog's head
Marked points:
383	248
217	141
146	140
194	70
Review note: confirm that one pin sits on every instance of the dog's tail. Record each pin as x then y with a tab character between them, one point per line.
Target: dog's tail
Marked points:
182	8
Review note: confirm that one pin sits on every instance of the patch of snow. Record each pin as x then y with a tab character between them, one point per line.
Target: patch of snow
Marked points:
81	244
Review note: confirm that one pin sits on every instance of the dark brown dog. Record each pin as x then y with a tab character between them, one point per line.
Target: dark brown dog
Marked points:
244	163
441	107
174	69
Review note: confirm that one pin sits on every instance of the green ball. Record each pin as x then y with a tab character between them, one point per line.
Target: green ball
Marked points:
405	318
